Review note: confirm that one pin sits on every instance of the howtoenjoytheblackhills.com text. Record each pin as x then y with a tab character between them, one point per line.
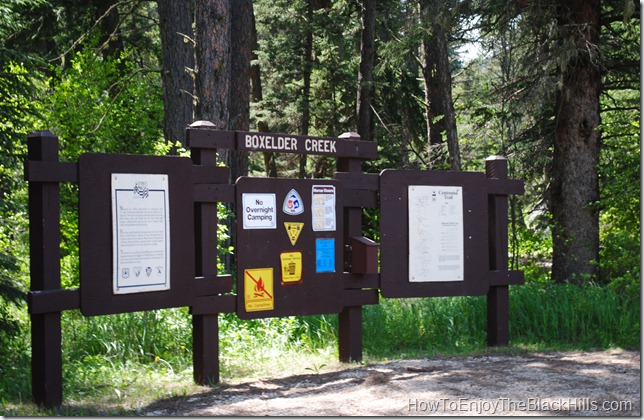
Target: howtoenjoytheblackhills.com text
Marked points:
509	405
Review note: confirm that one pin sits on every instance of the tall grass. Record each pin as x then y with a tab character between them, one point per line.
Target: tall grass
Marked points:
424	326
577	317
542	317
142	356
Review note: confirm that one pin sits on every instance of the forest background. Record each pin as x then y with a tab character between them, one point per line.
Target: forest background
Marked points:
439	85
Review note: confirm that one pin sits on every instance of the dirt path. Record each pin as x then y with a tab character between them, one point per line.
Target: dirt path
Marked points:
579	383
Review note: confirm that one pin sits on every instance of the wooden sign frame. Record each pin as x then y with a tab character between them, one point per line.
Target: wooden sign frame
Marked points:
319	290
396	231
96	229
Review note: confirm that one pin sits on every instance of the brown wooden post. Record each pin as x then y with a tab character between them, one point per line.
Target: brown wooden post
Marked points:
44	266
350	319
498	299
205	328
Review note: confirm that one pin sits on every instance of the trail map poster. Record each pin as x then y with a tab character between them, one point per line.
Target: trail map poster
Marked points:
435	233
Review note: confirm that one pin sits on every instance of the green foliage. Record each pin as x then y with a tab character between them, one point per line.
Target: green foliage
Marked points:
105	105
543	316
17	118
282	58
574	317
241	353
17	114
139	337
620	256
10	294
100	105
423	326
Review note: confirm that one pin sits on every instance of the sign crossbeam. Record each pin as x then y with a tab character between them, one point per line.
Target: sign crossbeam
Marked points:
284	143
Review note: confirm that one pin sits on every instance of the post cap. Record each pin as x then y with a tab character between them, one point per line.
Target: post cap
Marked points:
496	157
203	124
42	133
351	135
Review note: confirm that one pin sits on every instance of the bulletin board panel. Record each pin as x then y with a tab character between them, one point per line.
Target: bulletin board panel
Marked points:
289	247
434	233
136	233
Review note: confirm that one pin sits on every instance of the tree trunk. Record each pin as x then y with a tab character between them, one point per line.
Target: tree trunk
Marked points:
575	190
305	103
177	59
257	96
242	44
213	63
111	39
437	78
305	108
367	63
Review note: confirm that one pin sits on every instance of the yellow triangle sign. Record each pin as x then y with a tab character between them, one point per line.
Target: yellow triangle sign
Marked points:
293	230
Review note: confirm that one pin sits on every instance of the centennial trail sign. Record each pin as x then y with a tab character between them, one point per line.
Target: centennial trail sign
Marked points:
147	226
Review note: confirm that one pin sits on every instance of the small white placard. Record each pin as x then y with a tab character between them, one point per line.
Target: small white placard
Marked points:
323	208
259	211
140	233
436	250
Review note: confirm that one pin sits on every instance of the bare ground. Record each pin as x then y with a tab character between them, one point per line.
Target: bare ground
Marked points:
598	383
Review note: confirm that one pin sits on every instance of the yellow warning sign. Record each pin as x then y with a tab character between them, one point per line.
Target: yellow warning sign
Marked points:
291	266
293	229
258	289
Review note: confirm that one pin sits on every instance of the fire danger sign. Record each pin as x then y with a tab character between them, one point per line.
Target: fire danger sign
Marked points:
258	289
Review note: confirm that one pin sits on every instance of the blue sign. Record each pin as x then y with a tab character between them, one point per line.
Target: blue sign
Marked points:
325	255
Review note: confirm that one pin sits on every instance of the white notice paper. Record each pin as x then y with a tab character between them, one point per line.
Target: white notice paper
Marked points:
435	233
140	233
323	208
259	211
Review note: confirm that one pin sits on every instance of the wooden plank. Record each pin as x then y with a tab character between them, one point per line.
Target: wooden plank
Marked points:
361	281
211	305
498	316
350	334
360	297
506	277
498	298
309	145
360	149
350	318
40	171
212	285
205	353
359	181
205	328
44	263
48	301
214	193
360	198
505	186
210	174
210	138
